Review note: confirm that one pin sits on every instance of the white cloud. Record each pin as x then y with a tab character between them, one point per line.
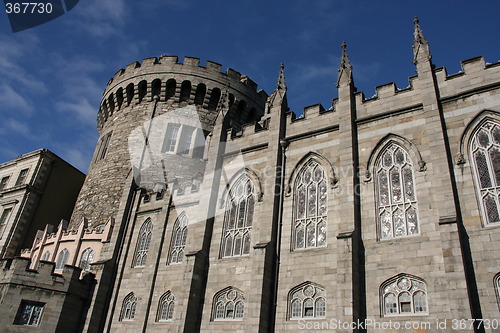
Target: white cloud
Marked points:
100	18
17	127
12	54
80	107
10	99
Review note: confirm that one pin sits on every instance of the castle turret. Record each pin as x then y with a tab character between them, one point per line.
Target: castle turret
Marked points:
160	107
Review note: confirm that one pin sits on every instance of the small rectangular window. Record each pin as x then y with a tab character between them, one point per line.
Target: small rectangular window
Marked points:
22	177
185	141
103	147
4	182
4	219
199	144
170	138
29	313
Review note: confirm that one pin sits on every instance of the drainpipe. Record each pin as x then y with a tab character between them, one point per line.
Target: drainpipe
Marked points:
284	144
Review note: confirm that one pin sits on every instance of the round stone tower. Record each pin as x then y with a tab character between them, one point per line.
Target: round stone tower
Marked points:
159	99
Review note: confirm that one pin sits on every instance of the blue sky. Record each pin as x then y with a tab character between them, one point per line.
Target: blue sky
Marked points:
52	76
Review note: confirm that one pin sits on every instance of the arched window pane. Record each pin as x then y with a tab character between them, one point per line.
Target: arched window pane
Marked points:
143	242
128	307
390	303
179	237
229	305
396	198
485	153
420	301
62	258
46	256
87	258
307	300
239	310
404	294
311	200
296	308
238	219
166	307
320	308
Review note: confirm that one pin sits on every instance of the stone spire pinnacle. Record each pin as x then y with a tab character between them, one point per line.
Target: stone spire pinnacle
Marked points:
420	44
345	68
281	79
279	93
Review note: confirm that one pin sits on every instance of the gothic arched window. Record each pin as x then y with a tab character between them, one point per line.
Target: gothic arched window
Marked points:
229	304
404	295
179	236
238	221
485	156
311	207
45	256
141	250
87	258
62	258
166	307
128	307
307	300
395	192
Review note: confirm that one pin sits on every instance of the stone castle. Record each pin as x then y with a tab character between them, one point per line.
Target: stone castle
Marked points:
209	207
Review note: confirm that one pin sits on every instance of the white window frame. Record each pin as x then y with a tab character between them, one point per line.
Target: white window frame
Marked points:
5	218
34	313
23	175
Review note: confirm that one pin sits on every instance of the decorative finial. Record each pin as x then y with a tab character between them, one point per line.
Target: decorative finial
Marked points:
345	65
280	90
281	78
419	42
344	61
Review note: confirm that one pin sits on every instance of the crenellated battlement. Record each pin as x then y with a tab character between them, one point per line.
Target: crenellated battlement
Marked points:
19	271
177	83
168	63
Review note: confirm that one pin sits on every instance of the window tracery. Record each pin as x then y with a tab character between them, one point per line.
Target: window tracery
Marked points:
87	258
485	156
128	308
237	231
396	196
307	301
179	236
311	206
229	304
143	241
166	307
404	295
